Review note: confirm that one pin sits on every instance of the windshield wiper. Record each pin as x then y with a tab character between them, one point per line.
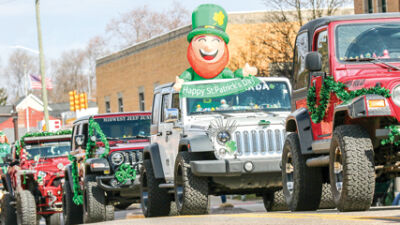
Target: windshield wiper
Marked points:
374	61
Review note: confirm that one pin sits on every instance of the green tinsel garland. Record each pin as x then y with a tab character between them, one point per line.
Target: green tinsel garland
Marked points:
330	86
394	132
94	126
20	144
78	197
125	172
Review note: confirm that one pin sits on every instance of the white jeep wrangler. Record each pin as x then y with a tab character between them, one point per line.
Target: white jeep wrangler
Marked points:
214	146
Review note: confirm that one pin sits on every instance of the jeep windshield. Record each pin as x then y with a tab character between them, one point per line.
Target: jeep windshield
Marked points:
47	150
125	127
267	96
373	41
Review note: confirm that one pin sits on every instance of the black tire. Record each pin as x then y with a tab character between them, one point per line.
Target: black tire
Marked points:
326	197
274	201
353	179
72	213
8	214
123	206
53	219
94	201
109	212
191	192
26	208
153	199
302	185
173	210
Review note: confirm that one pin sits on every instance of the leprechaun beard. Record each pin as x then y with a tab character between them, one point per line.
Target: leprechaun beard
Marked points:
205	69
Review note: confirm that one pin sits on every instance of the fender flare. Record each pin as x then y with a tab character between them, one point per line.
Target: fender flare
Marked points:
152	152
97	160
196	143
299	121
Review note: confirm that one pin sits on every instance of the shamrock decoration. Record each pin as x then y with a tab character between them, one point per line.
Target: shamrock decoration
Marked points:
231	145
219	18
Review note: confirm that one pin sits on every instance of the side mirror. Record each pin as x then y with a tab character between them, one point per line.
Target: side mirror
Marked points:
79	140
171	115
313	62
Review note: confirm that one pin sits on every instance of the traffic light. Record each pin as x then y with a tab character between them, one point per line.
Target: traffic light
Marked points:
82	101
86	101
77	103
71	101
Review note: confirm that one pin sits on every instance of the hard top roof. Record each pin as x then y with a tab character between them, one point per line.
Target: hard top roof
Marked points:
111	115
312	25
64	137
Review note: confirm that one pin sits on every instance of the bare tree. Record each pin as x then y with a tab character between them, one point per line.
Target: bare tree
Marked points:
3	96
276	45
69	74
95	48
20	65
142	24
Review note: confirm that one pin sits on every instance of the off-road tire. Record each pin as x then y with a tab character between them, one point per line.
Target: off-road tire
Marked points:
8	214
72	213
326	197
357	160
274	201
94	201
26	208
53	219
195	199
109	212
158	199
307	181
173	210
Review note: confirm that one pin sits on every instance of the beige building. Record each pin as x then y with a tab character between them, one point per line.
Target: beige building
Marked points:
376	6
126	79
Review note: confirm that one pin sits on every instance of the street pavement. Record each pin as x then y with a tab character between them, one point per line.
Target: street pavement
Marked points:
253	212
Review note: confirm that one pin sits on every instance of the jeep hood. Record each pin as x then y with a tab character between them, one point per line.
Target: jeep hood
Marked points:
51	164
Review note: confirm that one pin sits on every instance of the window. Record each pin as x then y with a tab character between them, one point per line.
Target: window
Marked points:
164	105
175	101
299	72
370	6
322	48
156	109
108	109
383	6
141	101
120	104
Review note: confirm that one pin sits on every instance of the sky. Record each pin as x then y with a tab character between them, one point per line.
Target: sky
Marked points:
70	24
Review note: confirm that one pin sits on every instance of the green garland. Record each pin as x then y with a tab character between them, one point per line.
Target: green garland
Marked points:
330	86
125	172
394	132
90	146
78	197
21	144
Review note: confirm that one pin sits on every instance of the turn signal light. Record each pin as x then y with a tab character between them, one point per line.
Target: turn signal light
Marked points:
376	103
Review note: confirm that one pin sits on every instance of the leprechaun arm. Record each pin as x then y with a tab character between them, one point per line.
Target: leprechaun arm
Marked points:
186	75
227	73
239	73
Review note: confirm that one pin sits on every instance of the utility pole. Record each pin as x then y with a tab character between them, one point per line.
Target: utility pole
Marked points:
42	69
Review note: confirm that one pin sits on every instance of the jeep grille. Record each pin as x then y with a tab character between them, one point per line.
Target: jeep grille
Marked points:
259	142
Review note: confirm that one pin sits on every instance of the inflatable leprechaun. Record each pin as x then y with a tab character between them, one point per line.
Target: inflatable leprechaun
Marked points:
208	51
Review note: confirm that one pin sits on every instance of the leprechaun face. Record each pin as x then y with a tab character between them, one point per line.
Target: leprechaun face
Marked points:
208	48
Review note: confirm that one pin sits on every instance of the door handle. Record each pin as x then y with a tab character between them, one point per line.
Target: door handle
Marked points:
159	134
168	132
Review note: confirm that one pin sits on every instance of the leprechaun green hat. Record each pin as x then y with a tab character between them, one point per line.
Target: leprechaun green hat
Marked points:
209	19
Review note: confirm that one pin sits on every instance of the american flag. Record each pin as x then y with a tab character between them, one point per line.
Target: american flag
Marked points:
36	82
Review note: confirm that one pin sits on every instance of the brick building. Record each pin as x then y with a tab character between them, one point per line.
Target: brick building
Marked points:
126	79
376	6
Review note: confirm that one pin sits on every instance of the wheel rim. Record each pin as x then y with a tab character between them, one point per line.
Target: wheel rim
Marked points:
289	173
338	170
179	188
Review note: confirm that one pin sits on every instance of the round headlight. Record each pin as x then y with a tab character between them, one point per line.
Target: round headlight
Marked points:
60	166
223	137
396	95
42	174
117	158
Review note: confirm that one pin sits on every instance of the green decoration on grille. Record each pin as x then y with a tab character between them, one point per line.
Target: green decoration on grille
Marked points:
330	86
124	173
78	197
394	132
231	145
21	144
91	144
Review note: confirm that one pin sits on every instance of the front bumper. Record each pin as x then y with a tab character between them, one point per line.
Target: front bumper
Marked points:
234	167
104	183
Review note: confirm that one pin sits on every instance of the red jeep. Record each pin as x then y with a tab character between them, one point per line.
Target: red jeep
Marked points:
34	179
346	102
